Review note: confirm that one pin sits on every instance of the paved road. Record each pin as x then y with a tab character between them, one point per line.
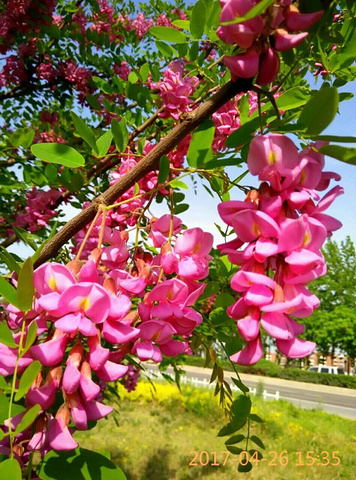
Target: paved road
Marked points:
339	401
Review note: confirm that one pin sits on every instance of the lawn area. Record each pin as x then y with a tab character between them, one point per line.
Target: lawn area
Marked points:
158	433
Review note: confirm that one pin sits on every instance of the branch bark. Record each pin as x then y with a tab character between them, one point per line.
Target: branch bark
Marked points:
150	162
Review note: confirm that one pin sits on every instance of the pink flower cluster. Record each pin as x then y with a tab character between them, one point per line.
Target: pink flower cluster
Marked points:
87	323
227	119
14	72
39	209
21	16
284	227
175	90
262	37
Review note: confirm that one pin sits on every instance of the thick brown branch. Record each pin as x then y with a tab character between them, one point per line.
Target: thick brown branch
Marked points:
150	162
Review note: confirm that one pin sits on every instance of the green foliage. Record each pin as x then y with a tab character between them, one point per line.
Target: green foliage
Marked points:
80	463
10	469
28	419
7	291
25	287
344	154
319	111
58	153
27	378
200	151
85	132
6	337
198	19
120	133
168	34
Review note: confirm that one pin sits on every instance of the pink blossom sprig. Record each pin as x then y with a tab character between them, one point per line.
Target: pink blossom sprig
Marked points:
91	314
280	28
280	229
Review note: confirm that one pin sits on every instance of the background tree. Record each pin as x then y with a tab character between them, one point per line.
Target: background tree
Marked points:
333	325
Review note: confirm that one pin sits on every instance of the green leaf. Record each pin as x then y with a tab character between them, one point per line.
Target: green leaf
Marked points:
25	286
344	154
30	338
163	169
121	135
227	429
254	12
26	237
136	189
27	378
255	418
225	162
293	98
103	143
257	441
219	316
8	292
133	77
241	386
334	138
3	384
200	151
224	300
165	49
10	469
198	19
185	24
9	260
179	184
319	111
6	337
27	420
22	137
144	72
182	207
232	346
58	153
168	34
245	467
78	464
85	132
94	102
234	450
235	439
240	409
243	135
4	409
102	84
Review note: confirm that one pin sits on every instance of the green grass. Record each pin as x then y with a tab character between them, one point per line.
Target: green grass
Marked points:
158	433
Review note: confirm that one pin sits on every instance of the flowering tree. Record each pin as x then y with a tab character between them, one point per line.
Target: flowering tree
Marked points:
107	109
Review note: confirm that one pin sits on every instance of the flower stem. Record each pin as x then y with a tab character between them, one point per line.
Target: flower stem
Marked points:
13	386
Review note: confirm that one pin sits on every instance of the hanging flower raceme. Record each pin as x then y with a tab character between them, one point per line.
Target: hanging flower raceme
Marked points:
280	229
280	28
86	324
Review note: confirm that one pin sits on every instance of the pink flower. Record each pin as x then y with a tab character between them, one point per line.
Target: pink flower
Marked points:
160	229
245	33
244	65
